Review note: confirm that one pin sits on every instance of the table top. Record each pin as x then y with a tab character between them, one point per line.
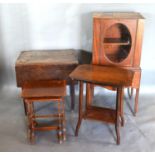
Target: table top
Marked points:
45	57
113	76
53	88
38	65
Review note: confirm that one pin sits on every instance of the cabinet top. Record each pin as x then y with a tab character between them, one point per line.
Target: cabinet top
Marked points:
118	15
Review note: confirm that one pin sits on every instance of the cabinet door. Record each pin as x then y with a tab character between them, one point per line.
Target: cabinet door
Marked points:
117	41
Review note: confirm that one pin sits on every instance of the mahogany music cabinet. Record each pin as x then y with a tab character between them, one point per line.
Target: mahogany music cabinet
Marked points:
117	41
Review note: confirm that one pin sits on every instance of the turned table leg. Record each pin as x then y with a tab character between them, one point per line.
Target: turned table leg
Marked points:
72	93
80	108
30	121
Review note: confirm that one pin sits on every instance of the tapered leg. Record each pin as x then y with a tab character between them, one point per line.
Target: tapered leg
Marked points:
80	108
130	92
122	107
72	93
117	123
136	102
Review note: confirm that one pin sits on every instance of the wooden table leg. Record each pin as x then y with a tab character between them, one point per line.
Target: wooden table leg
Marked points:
89	95
72	93
136	101
80	108
30	121
60	133
32	136
64	120
117	123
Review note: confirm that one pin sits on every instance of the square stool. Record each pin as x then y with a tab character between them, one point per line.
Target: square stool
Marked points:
43	91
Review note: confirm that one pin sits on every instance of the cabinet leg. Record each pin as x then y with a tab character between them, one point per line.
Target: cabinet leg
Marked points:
72	93
136	102
117	123
130	92
80	108
122	107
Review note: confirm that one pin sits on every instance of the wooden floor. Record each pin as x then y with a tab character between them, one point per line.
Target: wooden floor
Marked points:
138	134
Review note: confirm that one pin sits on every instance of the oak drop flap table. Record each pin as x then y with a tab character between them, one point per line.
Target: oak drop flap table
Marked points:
42	65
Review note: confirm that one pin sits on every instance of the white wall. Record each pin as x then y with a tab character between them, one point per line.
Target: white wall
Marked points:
52	26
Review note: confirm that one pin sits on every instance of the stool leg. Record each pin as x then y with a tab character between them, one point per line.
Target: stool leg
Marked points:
63	120
80	108
136	101
117	123
60	123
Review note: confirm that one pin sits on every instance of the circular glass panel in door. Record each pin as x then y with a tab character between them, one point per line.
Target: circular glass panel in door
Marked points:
117	43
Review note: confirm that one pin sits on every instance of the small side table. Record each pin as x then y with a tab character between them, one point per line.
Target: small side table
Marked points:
105	76
43	91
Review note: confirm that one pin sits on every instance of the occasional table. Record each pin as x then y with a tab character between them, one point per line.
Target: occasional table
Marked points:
105	76
39	65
